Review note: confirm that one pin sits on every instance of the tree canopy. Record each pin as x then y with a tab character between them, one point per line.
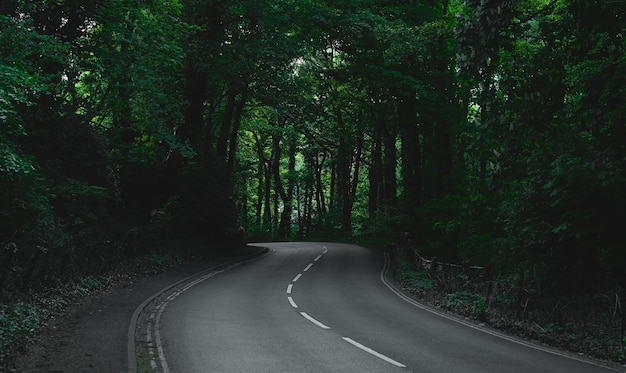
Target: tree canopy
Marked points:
491	131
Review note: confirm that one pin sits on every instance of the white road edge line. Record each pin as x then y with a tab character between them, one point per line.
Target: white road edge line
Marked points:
153	363
132	327
369	350
297	277
289	288
293	304
306	316
405	298
157	329
157	335
308	267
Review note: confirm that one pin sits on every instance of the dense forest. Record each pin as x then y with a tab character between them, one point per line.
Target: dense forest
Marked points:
489	132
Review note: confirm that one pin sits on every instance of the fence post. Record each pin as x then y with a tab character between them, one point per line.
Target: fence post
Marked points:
489	277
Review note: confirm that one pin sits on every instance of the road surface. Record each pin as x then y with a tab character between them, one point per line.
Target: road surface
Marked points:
325	307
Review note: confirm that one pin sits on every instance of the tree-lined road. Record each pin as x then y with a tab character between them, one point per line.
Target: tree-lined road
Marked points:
322	307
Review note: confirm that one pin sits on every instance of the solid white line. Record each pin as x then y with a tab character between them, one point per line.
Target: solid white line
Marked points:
306	316
153	363
297	277
378	355
157	330
157	335
289	287
318	258
293	304
131	349
308	267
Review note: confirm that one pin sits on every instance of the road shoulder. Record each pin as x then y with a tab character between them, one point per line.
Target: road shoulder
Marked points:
92	336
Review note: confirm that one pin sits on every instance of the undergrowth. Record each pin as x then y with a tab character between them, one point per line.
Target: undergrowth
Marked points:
465	303
582	325
22	315
416	282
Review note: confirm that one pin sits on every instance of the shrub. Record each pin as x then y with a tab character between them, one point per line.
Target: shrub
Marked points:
465	303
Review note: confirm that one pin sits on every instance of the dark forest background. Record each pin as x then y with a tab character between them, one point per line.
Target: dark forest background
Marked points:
486	132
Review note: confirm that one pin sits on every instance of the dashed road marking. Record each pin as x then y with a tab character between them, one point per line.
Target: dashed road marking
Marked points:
377	354
293	304
306	316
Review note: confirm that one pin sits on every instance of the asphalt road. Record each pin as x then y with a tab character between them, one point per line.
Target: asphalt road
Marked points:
324	307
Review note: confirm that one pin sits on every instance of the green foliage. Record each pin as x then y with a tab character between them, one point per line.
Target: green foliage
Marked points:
465	303
87	285
76	189
411	279
16	322
12	163
383	228
162	260
495	136
551	157
459	228
16	88
164	216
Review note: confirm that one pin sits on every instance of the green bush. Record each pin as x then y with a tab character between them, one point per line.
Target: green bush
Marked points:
15	323
162	260
412	279
465	303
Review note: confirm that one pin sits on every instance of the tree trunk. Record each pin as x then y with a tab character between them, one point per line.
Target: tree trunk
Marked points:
195	95
411	157
354	183
229	110
267	209
375	172
259	202
319	189
343	176
234	132
284	227
390	163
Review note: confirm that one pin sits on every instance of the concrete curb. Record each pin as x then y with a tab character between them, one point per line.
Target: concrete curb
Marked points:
131	348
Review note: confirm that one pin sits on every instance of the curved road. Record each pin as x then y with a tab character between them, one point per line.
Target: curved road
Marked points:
325	307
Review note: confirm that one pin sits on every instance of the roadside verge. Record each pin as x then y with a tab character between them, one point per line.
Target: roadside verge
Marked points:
91	334
387	278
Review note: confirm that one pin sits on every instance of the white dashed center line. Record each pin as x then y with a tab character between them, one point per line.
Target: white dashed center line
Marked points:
369	350
323	326
293	304
306	316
